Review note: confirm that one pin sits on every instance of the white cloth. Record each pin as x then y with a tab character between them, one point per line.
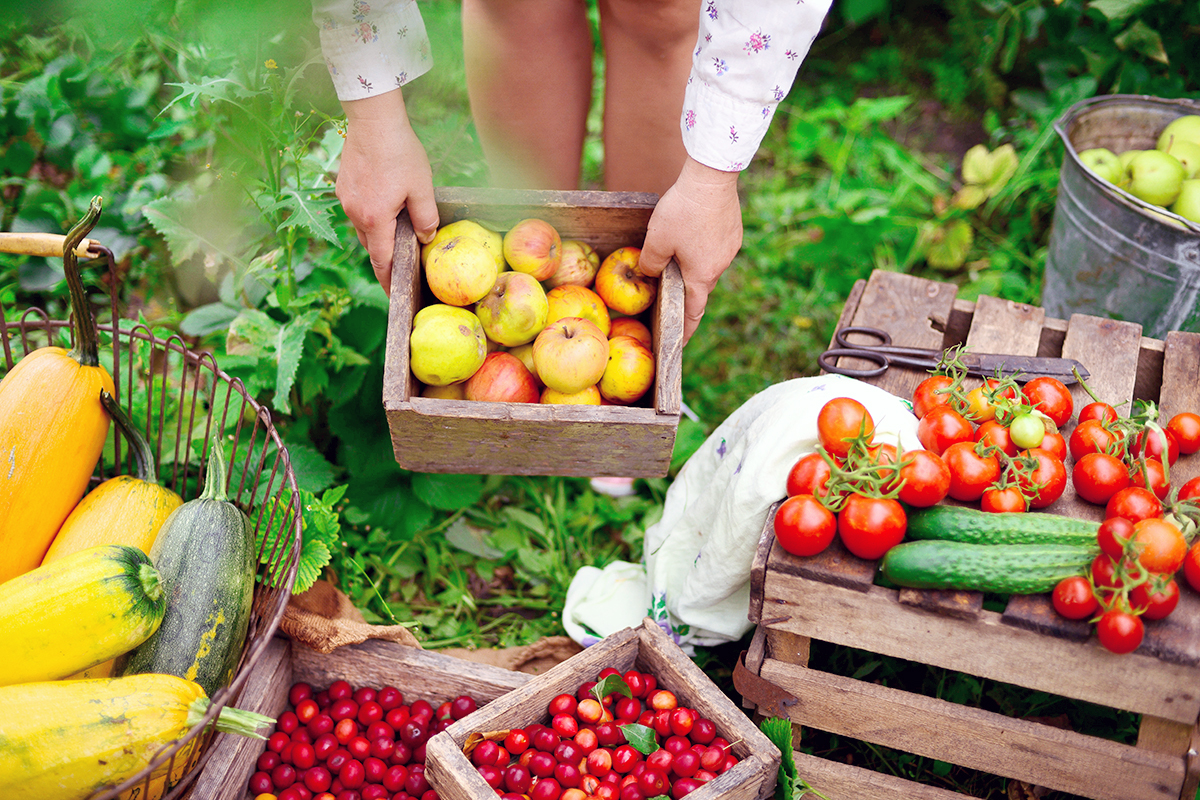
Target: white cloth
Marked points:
373	47
695	581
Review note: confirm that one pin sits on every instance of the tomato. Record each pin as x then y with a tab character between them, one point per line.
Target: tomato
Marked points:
1047	481
1026	431
1104	572
1153	478
1073	598
995	434
1119	631
1007	499
1009	392
979	406
1134	504
970	473
1190	490
1098	476
1102	412
882	454
803	526
1185	427
1056	445
808	476
941	427
1191	566
870	526
1051	397
1154	445
1152	603
926	395
1090	436
840	421
925	480
1160	545
1112	535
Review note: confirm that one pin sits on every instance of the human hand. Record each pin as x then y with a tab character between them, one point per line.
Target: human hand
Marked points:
699	223
384	169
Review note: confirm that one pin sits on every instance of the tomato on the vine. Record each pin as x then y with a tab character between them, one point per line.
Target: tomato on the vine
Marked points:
870	526
1056	445
997	435
808	475
803	526
882	455
926	395
1098	476
925	480
1051	397
1134	504
1047	481
1191	566
1107	575
941	427
999	500
1112	535
970	472
1190	490
1161	545
1026	431
1120	631
1152	603
1073	598
1097	410
979	407
840	421
1090	436
1185	427
1152	477
1153	441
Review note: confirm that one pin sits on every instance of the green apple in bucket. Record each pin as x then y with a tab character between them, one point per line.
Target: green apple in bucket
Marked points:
1187	205
1156	177
1103	162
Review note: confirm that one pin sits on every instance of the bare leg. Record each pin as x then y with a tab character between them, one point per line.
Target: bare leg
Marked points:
529	78
648	48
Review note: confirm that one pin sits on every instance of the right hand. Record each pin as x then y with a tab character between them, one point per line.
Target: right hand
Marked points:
384	169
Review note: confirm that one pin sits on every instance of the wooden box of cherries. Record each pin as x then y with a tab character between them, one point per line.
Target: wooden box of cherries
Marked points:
629	718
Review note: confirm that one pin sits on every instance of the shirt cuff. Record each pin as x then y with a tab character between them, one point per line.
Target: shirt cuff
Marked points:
721	131
374	51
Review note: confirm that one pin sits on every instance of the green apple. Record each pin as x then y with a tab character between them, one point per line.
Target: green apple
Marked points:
1124	158
1188	154
515	310
1185	128
1155	177
1187	205
447	344
1103	162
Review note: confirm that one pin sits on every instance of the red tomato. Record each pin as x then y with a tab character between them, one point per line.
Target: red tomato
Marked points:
993	433
1051	397
979	406
882	454
941	427
1191	566
1154	445
925	480
1154	604
926	395
1185	427
1073	598
803	526
1098	476
1114	532
1190	490
1090	436
1056	445
970	473
1047	481
1104	572
870	526
1134	504
1160	545
1007	499
808	476
1153	478
1119	631
840	421
1099	411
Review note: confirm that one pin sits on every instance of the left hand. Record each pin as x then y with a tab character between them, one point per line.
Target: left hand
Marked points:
698	222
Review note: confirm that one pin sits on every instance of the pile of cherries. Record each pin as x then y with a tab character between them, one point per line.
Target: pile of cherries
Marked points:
619	737
345	743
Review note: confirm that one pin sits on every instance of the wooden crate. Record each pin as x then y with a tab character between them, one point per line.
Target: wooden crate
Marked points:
431	435
833	598
646	648
419	674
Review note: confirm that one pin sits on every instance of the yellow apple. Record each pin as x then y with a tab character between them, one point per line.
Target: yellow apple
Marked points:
451	391
1185	128
460	271
629	372
588	397
622	285
493	241
577	266
533	246
447	344
577	301
1155	177
1188	154
525	353
630	326
1187	205
570	354
502	379
514	310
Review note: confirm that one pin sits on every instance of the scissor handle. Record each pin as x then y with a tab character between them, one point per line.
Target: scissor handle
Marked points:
826	361
839	337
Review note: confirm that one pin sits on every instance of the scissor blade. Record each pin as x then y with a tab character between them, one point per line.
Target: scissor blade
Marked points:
1023	367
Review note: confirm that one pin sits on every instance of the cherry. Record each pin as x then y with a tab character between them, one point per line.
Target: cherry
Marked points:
359	747
484	752
545	789
414	733
682	721
307	710
631	792
421	708
565	725
686	763
318	779
600	762
396	775
663	700
546	740
283	776
568	775
267	761
684	786
563	704
492	774
352	774
516	779
320	724
590	711
304	755
635	682
337	759
389	697
653	782
370	712
374	769
345	730
587	740
260	783
568	752
461	706
277	741
340	690
660	759
676	744
624	758
373	791
628	708
712	758
516	742
416	784
585	690
402	754
298	693
703	731
542	765
364	694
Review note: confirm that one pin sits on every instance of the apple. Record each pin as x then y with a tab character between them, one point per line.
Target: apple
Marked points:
502	379
1103	162
451	391
570	354
629	372
1188	154
578	265
533	246
570	300
493	241
1187	205
622	285
525	353
1185	128
630	326
590	396
460	271
514	310
447	344
1155	177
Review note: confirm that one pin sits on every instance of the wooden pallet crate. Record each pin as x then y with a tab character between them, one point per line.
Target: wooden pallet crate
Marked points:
833	598
646	648
433	435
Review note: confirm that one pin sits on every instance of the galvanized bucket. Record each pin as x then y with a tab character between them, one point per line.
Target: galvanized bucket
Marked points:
1111	254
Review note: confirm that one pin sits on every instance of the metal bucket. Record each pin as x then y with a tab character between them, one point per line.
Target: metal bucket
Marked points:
1111	254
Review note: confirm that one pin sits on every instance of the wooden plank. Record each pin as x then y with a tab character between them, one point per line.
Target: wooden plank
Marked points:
758	567
964	605
1181	392
1164	736
1191	783
835	565
978	739
839	781
986	647
1002	326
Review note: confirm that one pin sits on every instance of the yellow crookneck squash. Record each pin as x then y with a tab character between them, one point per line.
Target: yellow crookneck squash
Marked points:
52	428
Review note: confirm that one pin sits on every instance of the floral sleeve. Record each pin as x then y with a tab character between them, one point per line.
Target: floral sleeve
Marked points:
743	65
371	46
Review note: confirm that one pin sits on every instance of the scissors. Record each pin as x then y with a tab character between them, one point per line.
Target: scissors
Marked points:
980	365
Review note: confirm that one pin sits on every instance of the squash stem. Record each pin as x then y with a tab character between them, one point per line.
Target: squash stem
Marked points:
150	581
144	466
214	481
87	341
237	721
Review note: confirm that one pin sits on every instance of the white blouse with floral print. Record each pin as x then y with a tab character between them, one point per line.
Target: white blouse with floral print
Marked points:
744	63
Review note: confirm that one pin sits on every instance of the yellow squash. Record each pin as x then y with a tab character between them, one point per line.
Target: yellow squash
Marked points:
52	429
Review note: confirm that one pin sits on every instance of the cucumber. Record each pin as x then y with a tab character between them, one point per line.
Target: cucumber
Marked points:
964	524
1000	569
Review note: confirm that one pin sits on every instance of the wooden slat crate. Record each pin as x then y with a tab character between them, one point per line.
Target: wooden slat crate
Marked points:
646	648
419	674
833	597
432	435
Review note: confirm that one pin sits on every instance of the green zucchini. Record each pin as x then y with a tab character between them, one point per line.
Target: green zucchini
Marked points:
1000	569
965	524
207	557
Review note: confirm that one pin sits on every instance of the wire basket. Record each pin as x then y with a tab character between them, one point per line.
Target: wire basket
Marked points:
180	399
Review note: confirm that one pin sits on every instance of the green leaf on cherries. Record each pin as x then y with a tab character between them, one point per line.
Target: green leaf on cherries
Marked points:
611	683
660	797
640	737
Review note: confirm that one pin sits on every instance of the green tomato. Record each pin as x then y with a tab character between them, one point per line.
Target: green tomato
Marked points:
1026	431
